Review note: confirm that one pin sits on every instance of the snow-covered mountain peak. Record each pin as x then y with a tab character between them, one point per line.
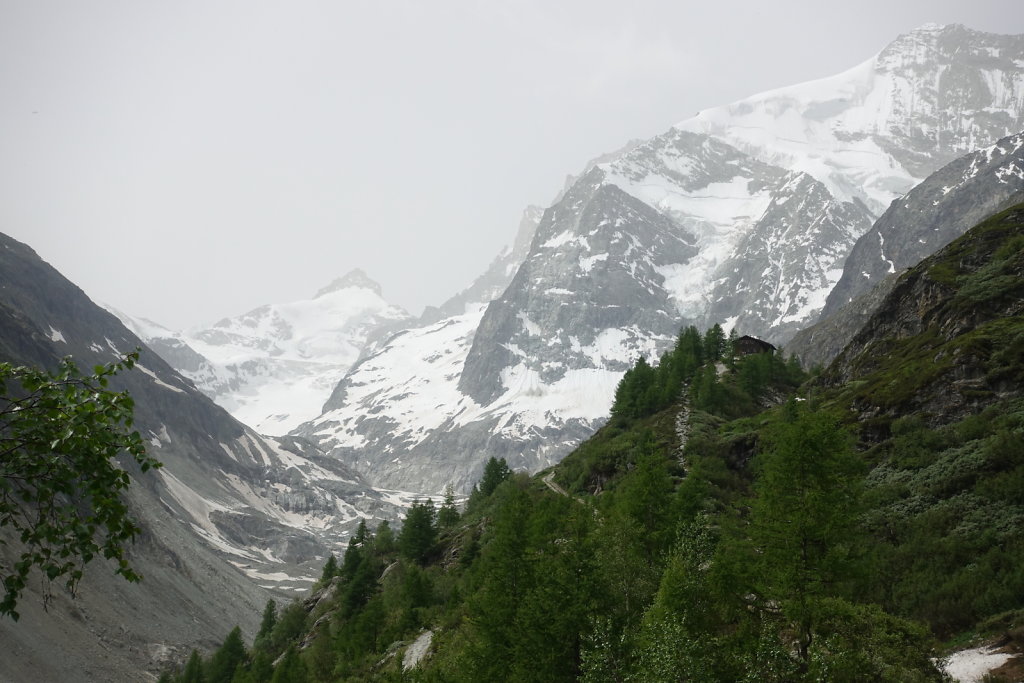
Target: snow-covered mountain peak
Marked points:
355	278
743	215
874	131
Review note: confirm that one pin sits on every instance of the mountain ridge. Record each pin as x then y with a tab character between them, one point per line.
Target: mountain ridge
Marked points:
770	243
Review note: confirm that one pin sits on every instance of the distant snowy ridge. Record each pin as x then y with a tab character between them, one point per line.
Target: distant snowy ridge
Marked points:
276	365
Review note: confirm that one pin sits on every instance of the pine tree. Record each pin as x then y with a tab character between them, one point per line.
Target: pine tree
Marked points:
226	659
495	471
419	534
448	515
360	586
262	667
267	623
680	624
361	533
290	669
330	570
291	623
384	539
714	343
505	578
804	516
645	496
193	672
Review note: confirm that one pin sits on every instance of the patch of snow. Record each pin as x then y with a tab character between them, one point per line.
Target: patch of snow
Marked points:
159	382
970	666
558	240
56	335
531	327
587	262
881	251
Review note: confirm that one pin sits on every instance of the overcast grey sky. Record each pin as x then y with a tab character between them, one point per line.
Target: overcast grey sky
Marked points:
189	160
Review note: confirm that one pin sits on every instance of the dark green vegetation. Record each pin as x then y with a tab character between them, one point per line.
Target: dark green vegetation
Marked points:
60	484
833	529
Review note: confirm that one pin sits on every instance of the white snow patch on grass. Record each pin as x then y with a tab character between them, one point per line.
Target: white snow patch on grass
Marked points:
970	666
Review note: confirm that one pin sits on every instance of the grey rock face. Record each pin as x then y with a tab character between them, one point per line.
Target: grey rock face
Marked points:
927	299
592	267
774	281
967	87
818	344
231	514
932	215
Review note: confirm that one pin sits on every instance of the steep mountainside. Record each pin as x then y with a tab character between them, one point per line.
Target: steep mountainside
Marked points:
743	215
274	366
933	214
930	216
946	341
230	514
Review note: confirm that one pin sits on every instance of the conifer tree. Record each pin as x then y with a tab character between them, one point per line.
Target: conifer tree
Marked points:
290	669
714	343
262	667
384	539
448	514
352	559
268	621
222	665
505	577
804	517
419	534
361	533
193	672
495	471
330	570
360	586
645	495
291	623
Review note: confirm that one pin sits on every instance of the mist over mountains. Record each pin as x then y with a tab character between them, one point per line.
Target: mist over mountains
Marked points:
743	215
283	428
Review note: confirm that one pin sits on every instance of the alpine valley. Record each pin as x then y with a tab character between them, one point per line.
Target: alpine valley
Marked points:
809	216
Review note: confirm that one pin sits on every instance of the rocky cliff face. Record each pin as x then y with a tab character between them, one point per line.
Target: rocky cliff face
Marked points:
930	216
927	349
231	513
744	215
933	214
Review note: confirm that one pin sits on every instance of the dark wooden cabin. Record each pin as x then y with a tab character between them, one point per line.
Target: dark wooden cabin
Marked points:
746	345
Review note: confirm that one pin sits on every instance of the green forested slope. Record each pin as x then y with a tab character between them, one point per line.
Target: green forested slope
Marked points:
842	528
